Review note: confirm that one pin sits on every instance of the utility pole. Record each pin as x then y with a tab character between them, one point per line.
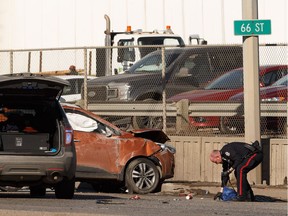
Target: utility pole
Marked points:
251	80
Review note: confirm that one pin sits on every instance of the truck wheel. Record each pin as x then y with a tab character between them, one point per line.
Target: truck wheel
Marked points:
140	122
65	189
230	125
142	176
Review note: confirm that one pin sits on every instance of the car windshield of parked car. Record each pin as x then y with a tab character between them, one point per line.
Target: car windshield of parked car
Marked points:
282	81
153	63
230	80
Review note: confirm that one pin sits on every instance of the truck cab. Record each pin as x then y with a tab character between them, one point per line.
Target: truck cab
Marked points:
134	43
130	46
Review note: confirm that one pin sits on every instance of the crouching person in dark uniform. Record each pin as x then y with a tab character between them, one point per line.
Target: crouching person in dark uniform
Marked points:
241	158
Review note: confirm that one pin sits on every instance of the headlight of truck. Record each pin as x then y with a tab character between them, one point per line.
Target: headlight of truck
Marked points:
118	91
170	148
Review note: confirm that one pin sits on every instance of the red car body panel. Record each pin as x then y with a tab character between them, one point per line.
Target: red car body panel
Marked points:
267	92
208	95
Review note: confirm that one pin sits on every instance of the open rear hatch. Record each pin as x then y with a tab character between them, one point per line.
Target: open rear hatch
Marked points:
29	114
27	84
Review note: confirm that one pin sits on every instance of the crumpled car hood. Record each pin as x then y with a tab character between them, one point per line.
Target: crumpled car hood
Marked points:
151	134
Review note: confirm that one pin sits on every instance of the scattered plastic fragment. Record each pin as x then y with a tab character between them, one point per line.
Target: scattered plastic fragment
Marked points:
136	197
189	196
182	194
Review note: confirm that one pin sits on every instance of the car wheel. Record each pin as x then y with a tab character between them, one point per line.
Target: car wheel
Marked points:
142	176
228	125
37	191
140	122
65	189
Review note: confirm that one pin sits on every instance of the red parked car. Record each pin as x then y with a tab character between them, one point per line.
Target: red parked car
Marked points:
277	92
224	87
107	156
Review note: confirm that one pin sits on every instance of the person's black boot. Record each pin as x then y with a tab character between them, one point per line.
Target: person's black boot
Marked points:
250	196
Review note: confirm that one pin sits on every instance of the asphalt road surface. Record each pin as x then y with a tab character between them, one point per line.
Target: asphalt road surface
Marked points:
106	204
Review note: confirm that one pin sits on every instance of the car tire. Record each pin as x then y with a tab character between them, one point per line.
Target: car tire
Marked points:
65	189
142	176
37	191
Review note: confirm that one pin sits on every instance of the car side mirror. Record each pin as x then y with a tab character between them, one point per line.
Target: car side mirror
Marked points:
108	132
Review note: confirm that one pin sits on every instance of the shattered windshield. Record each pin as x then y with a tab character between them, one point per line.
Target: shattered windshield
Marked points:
153	63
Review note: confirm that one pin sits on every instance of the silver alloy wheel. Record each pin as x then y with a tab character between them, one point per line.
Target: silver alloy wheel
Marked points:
143	175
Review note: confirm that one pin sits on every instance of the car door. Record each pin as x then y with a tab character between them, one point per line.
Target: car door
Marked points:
197	67
97	151
190	72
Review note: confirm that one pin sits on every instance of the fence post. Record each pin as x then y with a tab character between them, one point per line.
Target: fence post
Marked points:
182	116
11	62
85	79
40	61
29	62
90	62
164	89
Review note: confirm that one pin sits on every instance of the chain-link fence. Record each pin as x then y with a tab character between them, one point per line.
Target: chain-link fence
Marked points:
196	90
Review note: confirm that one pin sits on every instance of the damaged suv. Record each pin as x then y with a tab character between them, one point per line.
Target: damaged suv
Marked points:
36	139
107	157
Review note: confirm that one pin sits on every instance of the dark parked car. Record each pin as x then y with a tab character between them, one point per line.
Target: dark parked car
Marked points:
222	88
277	92
186	69
36	145
108	156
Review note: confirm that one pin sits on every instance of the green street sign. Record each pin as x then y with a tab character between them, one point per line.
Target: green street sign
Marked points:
252	27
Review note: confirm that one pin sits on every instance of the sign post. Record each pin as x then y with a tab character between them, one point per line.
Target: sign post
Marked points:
250	27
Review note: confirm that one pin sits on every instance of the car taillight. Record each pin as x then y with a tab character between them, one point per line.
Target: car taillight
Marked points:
68	136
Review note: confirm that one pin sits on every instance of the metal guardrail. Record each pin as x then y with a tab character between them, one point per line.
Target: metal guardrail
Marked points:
139	108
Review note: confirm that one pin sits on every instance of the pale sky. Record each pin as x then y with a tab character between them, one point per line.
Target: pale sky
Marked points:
28	24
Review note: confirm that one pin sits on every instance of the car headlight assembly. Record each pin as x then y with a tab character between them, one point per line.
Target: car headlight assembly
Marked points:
167	147
273	99
118	91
